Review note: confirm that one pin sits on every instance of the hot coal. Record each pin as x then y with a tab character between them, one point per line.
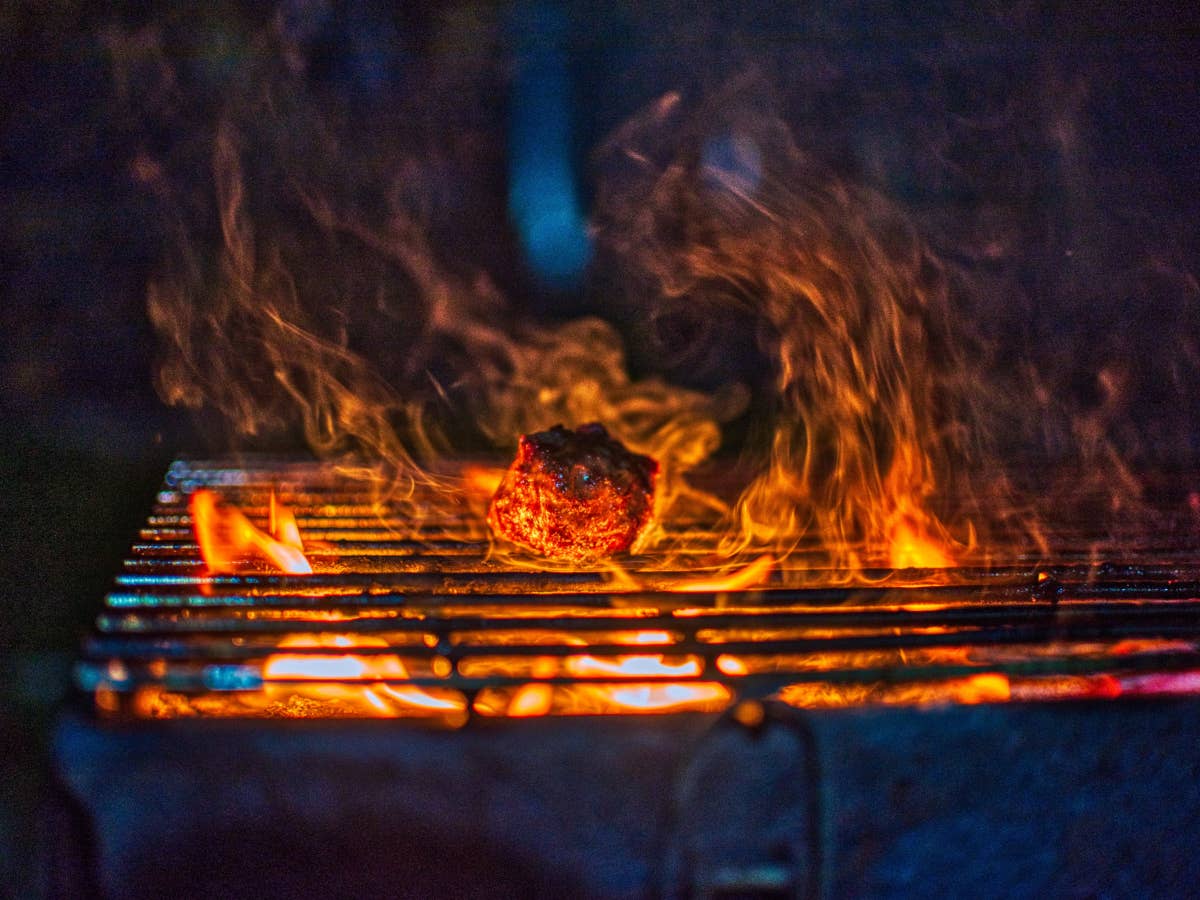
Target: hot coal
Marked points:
575	495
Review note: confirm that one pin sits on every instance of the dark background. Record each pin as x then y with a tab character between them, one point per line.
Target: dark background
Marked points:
1068	133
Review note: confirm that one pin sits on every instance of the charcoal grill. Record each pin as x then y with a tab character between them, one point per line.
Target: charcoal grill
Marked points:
995	728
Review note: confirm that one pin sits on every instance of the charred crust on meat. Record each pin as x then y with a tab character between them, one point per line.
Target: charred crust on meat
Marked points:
576	495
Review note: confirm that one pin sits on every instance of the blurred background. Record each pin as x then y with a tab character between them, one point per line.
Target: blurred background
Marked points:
1050	152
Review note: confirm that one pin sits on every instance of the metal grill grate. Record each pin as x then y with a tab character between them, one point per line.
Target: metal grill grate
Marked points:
415	619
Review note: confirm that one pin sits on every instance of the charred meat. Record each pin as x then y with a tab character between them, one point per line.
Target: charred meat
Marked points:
574	495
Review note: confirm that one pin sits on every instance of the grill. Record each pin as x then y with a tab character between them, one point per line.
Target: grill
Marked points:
437	629
998	728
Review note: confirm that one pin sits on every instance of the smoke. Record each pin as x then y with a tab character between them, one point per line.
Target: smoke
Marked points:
930	319
870	393
314	307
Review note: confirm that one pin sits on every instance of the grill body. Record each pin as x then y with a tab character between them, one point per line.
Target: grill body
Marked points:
1075	799
1000	730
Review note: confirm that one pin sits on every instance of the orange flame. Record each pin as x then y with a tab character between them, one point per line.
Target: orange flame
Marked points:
630	667
482	480
628	693
912	548
319	667
646	697
374	698
283	525
664	697
984	687
871	385
535	699
739	580
531	700
226	537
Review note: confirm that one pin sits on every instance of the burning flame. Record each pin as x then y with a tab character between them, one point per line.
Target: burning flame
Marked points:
849	324
283	525
317	668
985	687
226	537
851	308
535	699
482	480
531	700
912	549
746	577
598	697
326	671
661	698
646	697
630	667
871	380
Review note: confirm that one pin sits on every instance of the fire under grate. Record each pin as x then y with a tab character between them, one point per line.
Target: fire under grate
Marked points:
422	619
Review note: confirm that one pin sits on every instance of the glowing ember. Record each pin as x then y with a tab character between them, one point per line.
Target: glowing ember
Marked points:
226	537
988	687
575	495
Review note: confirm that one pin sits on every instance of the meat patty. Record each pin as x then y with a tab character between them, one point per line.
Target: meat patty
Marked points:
574	495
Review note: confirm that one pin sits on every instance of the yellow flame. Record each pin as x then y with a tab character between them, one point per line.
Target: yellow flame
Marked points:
660	698
645	697
912	550
326	671
739	580
482	480
731	665
645	637
630	667
283	525
226	537
531	700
